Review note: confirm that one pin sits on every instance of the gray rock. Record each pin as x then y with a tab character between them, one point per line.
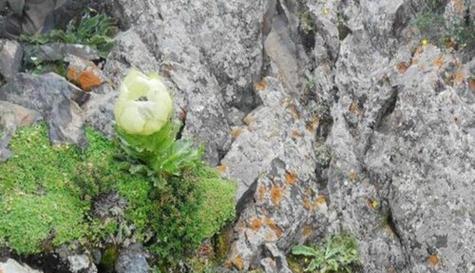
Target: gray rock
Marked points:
274	152
81	264
12	266
11	53
212	55
424	151
53	97
355	128
12	117
132	260
74	259
59	52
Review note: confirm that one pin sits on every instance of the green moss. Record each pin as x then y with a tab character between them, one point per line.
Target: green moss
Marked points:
46	196
38	198
46	191
190	209
216	206
109	258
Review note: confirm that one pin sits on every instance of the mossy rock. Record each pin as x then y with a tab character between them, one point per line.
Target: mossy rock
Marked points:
47	192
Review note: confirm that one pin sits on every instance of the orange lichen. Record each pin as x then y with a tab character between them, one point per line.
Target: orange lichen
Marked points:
353	176
260	86
293	111
249	119
438	62
312	125
458	77
86	79
222	168
433	260
238	263
296	134
471	84
307	204
321	200
276	195
402	67
290	178
354	108
236	132
274	227
255	224
72	74
261	191
307	230
458	6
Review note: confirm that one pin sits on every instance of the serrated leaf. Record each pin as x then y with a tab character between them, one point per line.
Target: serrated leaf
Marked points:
304	251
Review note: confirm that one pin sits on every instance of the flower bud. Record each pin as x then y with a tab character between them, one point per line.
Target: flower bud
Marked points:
144	105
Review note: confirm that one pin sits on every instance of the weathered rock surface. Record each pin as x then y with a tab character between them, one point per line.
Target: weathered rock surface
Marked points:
132	260
75	260
12	266
55	99
355	126
11	54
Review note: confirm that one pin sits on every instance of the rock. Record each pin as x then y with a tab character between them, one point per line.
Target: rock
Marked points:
39	16
59	52
13	116
84	74
132	260
81	263
11	54
278	262
285	197
210	53
53	97
424	151
12	266
75	260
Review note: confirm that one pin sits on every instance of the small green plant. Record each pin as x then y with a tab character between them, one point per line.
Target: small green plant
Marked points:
95	31
338	254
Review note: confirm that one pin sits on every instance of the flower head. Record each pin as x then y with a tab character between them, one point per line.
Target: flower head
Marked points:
144	104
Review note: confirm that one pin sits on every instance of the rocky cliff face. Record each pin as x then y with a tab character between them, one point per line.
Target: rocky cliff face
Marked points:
331	115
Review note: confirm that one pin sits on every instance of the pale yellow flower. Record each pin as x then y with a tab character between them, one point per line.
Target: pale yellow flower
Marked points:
144	104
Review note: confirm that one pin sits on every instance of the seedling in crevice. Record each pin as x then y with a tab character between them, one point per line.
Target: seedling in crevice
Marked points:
339	253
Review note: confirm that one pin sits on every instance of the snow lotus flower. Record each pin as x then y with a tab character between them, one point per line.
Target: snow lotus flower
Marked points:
144	105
